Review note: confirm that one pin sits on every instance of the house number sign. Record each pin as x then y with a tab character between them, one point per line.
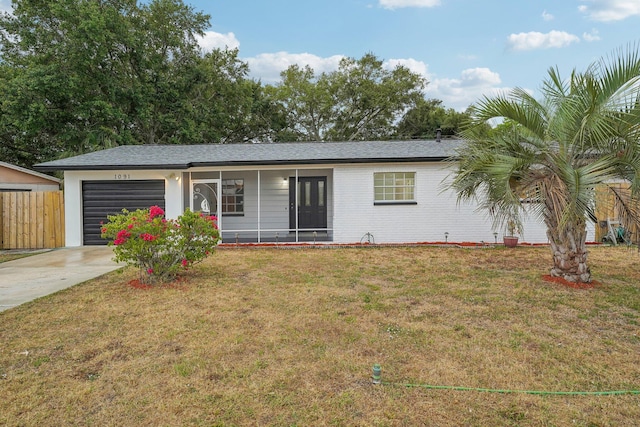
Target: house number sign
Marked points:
122	176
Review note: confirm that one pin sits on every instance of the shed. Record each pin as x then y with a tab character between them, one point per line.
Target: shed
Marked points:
16	178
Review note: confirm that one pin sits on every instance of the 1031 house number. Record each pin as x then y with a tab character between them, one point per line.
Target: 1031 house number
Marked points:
122	176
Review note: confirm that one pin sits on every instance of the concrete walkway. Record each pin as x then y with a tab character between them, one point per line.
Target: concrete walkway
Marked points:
32	277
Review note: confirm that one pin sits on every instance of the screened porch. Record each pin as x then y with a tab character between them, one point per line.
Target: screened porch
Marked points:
264	206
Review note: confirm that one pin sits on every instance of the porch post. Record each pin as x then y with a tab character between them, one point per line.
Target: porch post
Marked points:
259	203
297	204
219	209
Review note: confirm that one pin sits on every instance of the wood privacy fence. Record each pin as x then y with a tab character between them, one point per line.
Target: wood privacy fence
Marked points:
31	220
607	209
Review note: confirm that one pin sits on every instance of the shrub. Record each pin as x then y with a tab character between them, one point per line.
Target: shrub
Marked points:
160	248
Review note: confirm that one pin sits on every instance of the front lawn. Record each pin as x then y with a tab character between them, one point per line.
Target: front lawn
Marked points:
289	337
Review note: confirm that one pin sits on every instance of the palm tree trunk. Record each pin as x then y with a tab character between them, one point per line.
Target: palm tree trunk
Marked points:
568	245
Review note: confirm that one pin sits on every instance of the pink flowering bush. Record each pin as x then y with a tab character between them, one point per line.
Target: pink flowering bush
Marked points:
160	248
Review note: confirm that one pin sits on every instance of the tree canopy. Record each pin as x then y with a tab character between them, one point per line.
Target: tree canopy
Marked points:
361	100
83	75
553	153
426	117
79	76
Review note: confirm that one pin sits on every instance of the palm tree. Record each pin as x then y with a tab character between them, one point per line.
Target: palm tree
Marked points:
553	153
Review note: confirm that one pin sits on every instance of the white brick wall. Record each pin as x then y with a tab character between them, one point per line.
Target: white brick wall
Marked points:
435	213
351	212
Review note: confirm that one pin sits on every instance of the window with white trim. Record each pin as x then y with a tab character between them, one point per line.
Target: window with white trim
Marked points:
233	196
394	187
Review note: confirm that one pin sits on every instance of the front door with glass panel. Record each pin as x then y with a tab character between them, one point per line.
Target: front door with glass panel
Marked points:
312	203
204	196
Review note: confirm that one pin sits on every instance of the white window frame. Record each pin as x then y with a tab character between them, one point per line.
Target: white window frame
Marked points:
394	186
235	204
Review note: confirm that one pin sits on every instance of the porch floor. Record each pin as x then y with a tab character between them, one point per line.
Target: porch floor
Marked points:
303	237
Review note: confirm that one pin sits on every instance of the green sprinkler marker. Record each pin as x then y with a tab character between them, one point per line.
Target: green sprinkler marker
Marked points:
376	373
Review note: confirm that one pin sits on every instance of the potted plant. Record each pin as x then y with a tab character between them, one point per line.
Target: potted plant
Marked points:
511	239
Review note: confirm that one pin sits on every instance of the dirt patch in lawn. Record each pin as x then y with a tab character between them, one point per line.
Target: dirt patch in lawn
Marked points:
574	285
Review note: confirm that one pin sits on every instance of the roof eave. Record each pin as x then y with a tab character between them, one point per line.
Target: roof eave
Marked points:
31	172
317	161
50	168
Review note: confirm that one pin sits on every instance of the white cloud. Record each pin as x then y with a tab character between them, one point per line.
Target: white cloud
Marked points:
396	4
593	36
459	93
456	93
610	10
268	66
534	40
213	40
413	65
474	77
547	16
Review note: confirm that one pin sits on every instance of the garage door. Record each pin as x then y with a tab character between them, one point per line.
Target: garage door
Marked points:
102	198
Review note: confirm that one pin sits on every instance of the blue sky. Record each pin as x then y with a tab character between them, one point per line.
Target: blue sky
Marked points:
465	48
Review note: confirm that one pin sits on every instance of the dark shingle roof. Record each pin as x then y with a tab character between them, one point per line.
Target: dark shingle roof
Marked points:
185	156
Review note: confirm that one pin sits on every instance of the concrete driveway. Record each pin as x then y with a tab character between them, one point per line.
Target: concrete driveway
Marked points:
26	279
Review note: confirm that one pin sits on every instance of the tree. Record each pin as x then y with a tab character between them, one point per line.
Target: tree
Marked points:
79	76
222	105
163	54
370	99
305	103
426	117
554	153
92	74
361	100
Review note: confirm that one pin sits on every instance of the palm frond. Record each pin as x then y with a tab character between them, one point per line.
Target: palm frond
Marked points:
554	88
628	207
517	106
557	151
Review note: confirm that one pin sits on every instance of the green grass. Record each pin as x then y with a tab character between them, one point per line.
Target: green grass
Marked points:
289	337
10	255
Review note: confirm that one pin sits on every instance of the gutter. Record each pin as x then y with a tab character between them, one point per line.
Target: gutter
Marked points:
183	166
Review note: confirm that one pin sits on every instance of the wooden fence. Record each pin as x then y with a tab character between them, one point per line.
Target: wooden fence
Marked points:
606	209
31	220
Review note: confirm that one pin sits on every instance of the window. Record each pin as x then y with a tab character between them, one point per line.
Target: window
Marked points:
394	187
233	196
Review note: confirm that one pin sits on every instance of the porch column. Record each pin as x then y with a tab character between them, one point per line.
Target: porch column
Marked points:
173	198
259	203
219	208
297	193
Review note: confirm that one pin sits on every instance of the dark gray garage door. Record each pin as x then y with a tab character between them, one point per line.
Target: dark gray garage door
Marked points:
102	198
